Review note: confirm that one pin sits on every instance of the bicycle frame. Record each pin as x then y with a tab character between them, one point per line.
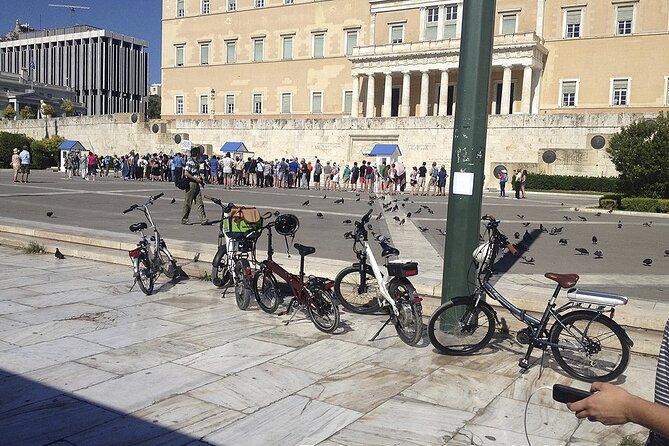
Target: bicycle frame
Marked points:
294	281
367	258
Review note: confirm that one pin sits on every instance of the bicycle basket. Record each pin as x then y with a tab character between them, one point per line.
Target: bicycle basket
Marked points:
242	220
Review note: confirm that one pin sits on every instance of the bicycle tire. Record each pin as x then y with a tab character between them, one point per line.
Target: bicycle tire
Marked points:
617	352
167	264
323	309
266	292
347	292
220	274
144	274
409	323
242	284
458	319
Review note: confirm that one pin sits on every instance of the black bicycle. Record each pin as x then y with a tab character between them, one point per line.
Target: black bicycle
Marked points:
585	342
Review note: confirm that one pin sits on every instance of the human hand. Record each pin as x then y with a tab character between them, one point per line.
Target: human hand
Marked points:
609	405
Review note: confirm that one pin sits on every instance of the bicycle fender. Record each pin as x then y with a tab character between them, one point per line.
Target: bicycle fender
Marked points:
218	256
599	316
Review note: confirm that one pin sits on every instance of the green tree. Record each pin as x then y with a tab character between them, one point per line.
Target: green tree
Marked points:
27	112
45	152
9	112
153	107
9	141
47	110
640	153
67	107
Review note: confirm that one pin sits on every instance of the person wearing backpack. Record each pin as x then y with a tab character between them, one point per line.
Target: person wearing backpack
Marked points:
318	169
355	173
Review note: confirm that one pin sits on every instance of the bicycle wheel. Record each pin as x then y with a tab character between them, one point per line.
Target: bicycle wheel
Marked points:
353	296
266	290
220	274
168	265
590	346
144	276
242	284
409	323
458	328
323	310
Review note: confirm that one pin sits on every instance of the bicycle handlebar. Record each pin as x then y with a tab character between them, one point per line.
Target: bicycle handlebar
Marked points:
151	200
155	197
130	209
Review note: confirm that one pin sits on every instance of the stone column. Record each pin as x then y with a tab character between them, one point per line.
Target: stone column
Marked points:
541	5
440	22
537	91
424	89
406	94
388	96
527	90
443	94
369	113
355	97
506	90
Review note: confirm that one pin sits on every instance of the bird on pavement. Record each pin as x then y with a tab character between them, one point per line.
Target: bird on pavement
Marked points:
594	240
378	217
598	254
402	222
516	235
339	201
582	251
405	199
357	199
542	228
324	197
395	208
370	202
59	255
647	224
173	200
347	222
566	218
369	227
429	211
408	214
441	231
528	260
666	252
49	214
525	224
520	216
196	257
562	242
610	211
620	224
647	262
418	211
319	214
348	234
306	203
582	218
598	214
423	229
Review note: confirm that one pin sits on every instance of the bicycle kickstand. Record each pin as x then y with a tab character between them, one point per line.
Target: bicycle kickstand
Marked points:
380	330
133	285
291	305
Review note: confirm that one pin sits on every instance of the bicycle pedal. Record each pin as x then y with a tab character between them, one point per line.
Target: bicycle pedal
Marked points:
524	363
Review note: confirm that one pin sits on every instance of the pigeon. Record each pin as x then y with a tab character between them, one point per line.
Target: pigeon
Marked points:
542	229
418	211
405	199
594	240
324	197
339	201
526	224
378	217
358	194
369	227
173	200
576	209
59	255
306	203
395	208
396	218
562	242
598	214
610	211
520	216
347	222
357	199
196	257
647	224
49	214
582	251
348	234
516	235
422	229
566	218
319	214
429	211
647	262
666	252
620	224
598	254
559	230
561	204
582	218
402	222
441	231
408	214
403	204
528	260
424	206
370	202
276	213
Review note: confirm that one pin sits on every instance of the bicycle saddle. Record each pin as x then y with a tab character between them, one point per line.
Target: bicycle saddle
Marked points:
389	250
304	250
138	227
564	280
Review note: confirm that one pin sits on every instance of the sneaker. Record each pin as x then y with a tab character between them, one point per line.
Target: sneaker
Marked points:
185	222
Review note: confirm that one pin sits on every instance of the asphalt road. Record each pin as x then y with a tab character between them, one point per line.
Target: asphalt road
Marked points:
99	204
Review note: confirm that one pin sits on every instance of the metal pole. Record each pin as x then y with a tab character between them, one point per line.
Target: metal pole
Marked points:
469	141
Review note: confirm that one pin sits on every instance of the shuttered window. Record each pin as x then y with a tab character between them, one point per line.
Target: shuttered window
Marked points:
573	24
568	94
351	41
286	102
625	16
258	50
317	102
509	23
287	47
319	46
620	92
231	52
450	21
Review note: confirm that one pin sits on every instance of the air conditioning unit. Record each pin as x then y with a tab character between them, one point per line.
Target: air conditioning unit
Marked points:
598	141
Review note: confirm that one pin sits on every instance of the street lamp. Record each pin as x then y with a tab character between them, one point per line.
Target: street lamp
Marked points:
213	101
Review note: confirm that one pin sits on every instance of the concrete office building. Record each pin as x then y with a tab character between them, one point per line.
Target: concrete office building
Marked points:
108	71
18	93
386	58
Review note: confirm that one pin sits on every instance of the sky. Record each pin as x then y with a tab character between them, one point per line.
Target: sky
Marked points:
135	18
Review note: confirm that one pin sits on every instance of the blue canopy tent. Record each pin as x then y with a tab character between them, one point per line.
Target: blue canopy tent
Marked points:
235	147
385	152
68	146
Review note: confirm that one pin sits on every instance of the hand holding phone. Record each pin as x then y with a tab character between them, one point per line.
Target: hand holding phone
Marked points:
566	394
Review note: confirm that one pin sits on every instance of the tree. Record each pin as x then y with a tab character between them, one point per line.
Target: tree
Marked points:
67	107
47	110
45	152
9	141
27	112
640	153
153	107
9	113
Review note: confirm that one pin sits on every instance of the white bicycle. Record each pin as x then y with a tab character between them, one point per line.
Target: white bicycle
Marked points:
362	288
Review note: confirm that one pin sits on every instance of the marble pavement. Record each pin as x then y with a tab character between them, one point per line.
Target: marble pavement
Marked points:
84	361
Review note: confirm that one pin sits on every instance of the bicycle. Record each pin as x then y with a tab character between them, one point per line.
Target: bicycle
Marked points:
151	257
231	265
312	293
363	288
585	342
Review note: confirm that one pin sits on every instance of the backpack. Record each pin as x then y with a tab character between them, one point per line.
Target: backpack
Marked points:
318	169
243	220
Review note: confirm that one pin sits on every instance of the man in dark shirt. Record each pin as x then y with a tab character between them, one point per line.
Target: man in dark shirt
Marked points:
422	171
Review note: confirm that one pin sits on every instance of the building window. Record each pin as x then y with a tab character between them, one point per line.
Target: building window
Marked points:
179	105
319	46
206	7
348	102
286	102
572	24
230	104
568	95
181	11
179	55
396	33
287	2
260	3
620	92
431	23
258	50
204	104
450	21
351	41
317	102
232	5
257	103
508	23
624	19
204	54
231	52
287	47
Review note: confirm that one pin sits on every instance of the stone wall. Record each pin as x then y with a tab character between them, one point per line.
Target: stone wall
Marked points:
517	141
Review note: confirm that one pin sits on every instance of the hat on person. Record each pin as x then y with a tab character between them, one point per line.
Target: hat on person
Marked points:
503	170
25	147
16	150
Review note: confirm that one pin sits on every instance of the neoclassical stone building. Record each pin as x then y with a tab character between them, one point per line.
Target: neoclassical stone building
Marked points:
385	58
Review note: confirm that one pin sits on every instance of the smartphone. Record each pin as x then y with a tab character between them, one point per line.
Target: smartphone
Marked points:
566	394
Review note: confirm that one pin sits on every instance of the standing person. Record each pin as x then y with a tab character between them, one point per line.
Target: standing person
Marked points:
335	177
413	181
226	166
503	178
355	173
194	191
92	166
213	166
269	168
517	178
401	175
260	173
434	175
75	163
25	164
16	164
390	185
327	173
125	170
441	180
523	182
363	175
179	164
310	170
239	172
293	166
346	177
422	173
318	169
369	177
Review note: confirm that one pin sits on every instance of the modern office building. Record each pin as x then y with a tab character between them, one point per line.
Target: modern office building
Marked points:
19	93
107	71
385	58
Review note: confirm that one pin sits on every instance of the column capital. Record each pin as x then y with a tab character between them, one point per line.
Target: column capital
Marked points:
507	65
